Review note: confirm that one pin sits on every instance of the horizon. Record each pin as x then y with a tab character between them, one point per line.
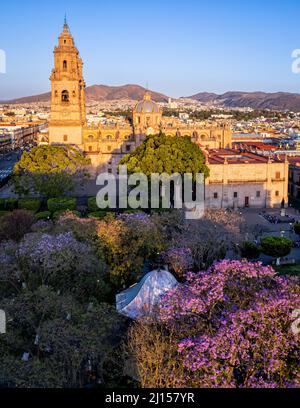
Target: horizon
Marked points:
194	47
156	91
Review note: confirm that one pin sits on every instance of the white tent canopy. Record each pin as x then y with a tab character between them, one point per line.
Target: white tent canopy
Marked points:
140	299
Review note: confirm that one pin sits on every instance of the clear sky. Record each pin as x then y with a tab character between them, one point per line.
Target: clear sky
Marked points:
178	47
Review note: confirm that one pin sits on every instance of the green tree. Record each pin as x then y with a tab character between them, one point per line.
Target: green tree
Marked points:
166	154
50	171
276	246
249	250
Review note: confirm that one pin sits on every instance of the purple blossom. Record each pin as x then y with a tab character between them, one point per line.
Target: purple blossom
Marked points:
234	321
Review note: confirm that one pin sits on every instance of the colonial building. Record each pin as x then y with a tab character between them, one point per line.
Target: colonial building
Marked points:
236	179
106	144
240	180
68	115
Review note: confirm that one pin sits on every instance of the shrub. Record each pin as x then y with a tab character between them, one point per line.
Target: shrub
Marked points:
249	250
98	214
276	246
30	204
61	204
45	215
2	213
92	205
16	224
8	204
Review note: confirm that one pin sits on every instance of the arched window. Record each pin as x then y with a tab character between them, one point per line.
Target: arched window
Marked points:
108	137
65	96
91	138
65	64
55	94
73	94
65	138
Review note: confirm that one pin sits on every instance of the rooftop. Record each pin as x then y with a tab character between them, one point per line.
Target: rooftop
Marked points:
230	156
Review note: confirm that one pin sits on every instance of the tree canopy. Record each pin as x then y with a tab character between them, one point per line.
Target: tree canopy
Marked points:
166	154
49	170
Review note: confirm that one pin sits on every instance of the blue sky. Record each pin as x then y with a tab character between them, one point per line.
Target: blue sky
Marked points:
178	47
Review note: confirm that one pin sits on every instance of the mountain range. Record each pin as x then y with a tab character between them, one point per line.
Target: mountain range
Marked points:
100	93
256	100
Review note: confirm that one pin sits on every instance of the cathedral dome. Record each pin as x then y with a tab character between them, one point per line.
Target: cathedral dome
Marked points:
147	105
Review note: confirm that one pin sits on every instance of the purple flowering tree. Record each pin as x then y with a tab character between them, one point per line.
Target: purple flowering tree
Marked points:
230	326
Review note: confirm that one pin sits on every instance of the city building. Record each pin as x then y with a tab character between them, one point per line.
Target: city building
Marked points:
237	179
106	144
16	136
240	180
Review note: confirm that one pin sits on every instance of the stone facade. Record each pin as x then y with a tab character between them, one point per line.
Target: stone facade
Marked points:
236	179
68	115
106	145
240	180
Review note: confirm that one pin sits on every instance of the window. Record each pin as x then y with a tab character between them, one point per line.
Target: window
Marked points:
109	171
65	96
235	194
215	195
108	137
65	41
65	138
276	193
90	148
257	194
56	94
74	94
109	148
277	175
128	148
65	64
91	138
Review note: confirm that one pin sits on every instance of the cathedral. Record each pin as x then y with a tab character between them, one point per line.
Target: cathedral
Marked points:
237	179
105	145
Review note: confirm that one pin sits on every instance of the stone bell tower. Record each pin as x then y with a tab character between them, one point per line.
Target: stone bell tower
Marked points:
68	115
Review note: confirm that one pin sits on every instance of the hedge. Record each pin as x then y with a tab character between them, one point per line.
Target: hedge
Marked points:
30	204
3	213
98	214
276	246
8	204
93	207
45	215
61	204
92	204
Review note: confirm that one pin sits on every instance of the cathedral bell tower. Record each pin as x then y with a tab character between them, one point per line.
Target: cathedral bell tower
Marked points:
68	115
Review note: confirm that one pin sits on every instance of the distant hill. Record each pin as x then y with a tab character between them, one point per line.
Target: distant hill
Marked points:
258	100
101	93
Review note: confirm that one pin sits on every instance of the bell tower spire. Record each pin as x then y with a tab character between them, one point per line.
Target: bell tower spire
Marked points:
66	26
68	115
